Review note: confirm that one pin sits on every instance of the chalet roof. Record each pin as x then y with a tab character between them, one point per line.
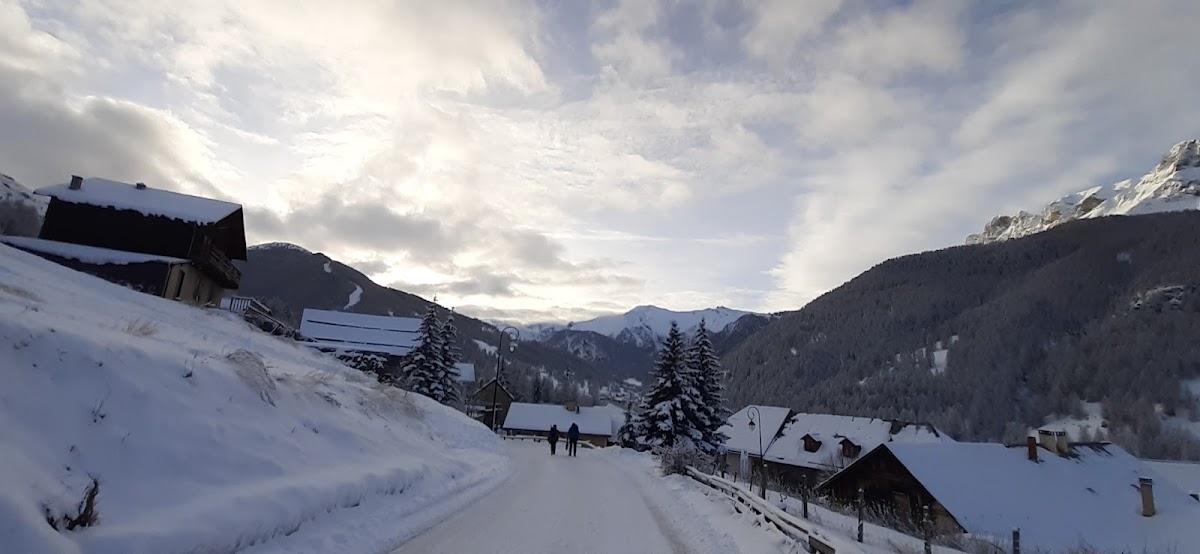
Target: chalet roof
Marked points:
539	417
783	436
149	201
360	332
1057	503
86	254
743	439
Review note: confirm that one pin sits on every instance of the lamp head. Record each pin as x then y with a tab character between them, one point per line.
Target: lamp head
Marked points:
752	425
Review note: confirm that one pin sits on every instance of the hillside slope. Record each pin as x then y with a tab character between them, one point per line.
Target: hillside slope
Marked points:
980	339
622	359
290	278
204	434
1173	185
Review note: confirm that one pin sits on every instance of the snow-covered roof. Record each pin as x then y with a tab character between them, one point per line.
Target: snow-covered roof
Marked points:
1058	503
539	417
150	201
616	414
831	430
1185	475
466	372
361	332
86	254
743	439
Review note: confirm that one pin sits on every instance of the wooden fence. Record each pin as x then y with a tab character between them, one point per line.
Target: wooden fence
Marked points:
798	531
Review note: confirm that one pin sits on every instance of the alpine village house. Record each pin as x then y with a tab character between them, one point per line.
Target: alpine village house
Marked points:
158	242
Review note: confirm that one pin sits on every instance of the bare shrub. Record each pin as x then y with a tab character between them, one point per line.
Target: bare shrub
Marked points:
85	513
675	459
19	219
139	327
253	371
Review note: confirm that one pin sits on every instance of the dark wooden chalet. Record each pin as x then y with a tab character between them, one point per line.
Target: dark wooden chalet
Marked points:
164	243
481	404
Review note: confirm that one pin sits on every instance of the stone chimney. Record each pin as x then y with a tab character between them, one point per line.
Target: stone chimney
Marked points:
140	186
76	182
1047	439
1031	447
1146	486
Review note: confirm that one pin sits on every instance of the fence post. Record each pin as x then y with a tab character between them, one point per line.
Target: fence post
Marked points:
926	526
1016	541
804	495
860	514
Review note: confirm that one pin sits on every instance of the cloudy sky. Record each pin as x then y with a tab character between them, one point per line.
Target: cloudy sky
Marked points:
561	158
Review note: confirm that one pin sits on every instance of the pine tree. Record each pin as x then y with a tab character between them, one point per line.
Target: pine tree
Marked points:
538	392
705	370
424	367
670	412
630	433
450	356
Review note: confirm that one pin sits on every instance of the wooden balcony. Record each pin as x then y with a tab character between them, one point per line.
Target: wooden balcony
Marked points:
211	260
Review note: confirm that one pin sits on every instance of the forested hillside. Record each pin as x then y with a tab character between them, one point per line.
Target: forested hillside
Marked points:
289	279
626	358
985	340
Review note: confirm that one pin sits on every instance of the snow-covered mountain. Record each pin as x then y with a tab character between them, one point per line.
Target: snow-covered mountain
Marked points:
644	326
1174	185
10	189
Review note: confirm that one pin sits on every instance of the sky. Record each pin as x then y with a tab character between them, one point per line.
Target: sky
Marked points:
559	159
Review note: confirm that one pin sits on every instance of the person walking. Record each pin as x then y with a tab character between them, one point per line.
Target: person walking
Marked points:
553	438
573	440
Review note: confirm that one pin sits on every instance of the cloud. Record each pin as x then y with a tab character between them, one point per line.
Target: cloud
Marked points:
530	158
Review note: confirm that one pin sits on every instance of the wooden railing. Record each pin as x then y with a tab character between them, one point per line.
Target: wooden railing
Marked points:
210	259
793	528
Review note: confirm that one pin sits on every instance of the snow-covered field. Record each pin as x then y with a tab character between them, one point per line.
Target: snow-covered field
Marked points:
204	434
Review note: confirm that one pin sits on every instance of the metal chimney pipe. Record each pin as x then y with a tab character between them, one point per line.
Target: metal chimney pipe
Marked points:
1146	486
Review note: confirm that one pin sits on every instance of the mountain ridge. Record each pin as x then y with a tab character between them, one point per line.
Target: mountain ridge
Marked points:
1173	185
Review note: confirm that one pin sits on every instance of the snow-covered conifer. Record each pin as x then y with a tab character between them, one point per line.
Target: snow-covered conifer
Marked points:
423	369
705	370
450	356
670	411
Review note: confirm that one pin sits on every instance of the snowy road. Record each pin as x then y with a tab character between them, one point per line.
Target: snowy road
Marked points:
556	505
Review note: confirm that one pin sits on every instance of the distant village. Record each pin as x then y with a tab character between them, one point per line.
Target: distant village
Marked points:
1054	490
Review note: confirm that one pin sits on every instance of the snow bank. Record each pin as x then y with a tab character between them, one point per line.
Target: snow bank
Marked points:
205	435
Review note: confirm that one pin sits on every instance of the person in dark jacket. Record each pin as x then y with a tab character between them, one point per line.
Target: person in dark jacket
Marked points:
553	438
573	440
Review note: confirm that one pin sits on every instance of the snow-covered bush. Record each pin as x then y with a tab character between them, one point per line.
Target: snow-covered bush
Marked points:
676	458
19	219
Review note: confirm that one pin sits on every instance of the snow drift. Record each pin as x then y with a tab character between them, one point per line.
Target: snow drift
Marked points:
203	434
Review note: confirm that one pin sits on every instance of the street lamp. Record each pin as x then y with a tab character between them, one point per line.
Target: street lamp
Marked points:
512	347
756	416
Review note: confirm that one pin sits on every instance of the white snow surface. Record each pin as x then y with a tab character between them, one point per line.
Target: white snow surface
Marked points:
1174	185
523	416
744	439
485	347
632	382
602	501
1185	475
86	254
466	372
355	297
830	429
279	245
647	325
149	201
1059	503
368	333
205	434
327	268
10	189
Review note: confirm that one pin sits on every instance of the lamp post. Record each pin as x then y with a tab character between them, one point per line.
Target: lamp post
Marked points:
512	347
756	421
